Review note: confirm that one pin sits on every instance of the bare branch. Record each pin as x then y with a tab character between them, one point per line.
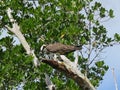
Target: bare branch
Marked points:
16	30
97	54
49	83
72	72
115	80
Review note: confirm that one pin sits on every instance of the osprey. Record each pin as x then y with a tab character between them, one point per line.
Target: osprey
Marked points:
59	48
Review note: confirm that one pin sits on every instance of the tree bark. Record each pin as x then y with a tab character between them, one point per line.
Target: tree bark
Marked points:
72	73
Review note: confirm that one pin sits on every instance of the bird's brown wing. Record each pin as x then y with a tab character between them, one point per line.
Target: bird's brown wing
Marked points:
54	47
60	48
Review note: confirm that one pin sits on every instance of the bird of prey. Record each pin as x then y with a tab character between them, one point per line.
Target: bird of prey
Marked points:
60	48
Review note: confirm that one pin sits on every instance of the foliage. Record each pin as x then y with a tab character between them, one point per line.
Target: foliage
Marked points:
47	21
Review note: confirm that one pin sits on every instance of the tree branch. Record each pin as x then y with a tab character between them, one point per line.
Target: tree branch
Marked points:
97	54
49	83
16	30
72	72
115	80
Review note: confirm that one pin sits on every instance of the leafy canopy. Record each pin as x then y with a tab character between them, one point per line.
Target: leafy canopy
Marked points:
74	22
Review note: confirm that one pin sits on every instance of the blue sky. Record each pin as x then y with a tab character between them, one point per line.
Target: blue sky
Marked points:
112	55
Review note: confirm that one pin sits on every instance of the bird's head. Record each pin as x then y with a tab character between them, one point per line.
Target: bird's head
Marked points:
42	47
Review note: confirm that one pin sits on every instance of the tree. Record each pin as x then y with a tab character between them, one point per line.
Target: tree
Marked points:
40	22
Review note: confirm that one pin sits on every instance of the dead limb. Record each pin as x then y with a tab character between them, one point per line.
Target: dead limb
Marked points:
16	30
49	83
72	72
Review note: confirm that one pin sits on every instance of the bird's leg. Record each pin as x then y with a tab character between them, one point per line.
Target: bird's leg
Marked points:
47	56
51	56
55	57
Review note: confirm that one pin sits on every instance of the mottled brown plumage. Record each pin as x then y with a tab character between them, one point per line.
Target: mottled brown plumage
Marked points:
61	48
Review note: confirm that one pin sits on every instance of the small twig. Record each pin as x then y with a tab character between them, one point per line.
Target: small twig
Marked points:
34	3
105	20
115	80
81	53
90	51
95	56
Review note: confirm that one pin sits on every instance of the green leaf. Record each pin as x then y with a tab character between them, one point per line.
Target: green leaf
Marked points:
117	37
106	67
111	13
103	73
91	16
96	6
99	63
102	12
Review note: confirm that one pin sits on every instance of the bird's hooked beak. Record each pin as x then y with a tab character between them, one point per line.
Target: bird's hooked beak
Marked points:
42	47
